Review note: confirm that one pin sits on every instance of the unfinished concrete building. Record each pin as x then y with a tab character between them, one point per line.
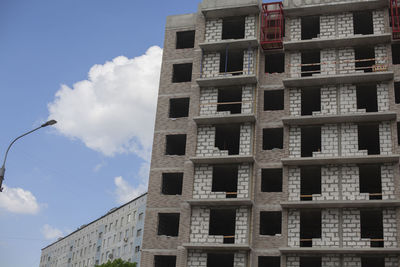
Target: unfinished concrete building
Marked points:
276	137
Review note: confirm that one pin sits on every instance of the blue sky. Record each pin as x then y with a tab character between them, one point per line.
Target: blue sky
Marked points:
74	173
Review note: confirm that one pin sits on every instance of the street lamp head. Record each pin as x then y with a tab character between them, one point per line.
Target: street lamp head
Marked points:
50	122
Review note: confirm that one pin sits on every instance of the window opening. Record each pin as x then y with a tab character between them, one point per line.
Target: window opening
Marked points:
230	99
275	63
365	58
185	39
227	137
370	180
272	138
182	73
310	27
310	226
270	222
225	178
273	100
372	226
168	224
368	138
176	144
363	23
310	182
310	140
223	222
271	180
310	63
178	107
233	28
310	101
172	183
367	97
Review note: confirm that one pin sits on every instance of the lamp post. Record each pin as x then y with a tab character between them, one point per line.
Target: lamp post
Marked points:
3	167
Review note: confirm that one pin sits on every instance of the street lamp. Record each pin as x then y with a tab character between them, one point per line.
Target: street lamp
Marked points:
3	168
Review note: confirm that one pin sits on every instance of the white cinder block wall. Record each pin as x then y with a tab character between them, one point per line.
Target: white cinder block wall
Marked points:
213	33
203	177
198	258
349	178
347	133
351	228
206	141
209	100
337	25
200	221
336	61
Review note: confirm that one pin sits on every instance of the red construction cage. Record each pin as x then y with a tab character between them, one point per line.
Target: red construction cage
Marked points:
272	26
395	18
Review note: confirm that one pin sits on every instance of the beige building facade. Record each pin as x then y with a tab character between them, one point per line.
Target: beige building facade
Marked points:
276	137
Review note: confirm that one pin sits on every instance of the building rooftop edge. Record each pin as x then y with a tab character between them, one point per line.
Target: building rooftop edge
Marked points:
109	212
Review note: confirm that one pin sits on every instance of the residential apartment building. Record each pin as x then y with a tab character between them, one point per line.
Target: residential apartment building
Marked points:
117	234
276	137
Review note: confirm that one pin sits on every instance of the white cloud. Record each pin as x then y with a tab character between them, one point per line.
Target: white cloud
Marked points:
18	200
113	110
51	232
125	192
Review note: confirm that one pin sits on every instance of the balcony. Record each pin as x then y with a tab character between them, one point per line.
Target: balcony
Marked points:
340	204
326	43
231	67
226	105
303	8
319	68
341	160
223	228
343	118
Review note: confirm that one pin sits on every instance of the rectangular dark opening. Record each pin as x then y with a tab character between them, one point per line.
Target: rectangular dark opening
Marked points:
172	183
372	261
271	180
368	138
372	226
310	27
225	178
168	224
222	222
270	222
272	138
232	62
363	23
275	63
365	58
233	28
164	261
310	182
182	73
274	100
310	101
367	97
220	259
310	226
398	133
310	140
397	91
310	261
227	137
269	261
176	144
395	54
370	180
178	107
230	99
185	39
310	63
